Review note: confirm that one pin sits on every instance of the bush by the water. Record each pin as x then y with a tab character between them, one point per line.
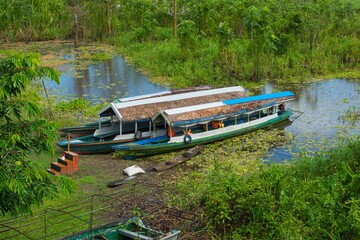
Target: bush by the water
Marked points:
311	198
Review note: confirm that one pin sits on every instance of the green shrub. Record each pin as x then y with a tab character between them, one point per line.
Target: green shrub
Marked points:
310	198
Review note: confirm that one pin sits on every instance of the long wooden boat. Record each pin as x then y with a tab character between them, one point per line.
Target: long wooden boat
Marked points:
132	120
190	126
103	143
91	127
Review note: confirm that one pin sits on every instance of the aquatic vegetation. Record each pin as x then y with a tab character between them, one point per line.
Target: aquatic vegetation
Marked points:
351	115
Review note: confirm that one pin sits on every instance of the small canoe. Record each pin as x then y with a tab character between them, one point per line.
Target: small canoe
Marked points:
177	160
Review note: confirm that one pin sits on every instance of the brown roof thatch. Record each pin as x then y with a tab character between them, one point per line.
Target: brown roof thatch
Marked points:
149	110
223	110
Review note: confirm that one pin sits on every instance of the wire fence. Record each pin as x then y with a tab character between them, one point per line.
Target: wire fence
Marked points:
97	210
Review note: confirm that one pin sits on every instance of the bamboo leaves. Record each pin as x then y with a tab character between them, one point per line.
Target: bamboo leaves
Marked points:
22	131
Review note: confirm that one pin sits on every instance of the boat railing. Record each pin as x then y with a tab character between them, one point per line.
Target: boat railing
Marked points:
85	215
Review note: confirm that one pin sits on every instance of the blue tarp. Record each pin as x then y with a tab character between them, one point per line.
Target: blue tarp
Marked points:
258	98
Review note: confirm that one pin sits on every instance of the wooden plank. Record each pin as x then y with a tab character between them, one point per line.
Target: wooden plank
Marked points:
177	160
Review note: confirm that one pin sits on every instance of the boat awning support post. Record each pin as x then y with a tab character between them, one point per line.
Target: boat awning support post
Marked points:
136	126
68	146
154	129
120	127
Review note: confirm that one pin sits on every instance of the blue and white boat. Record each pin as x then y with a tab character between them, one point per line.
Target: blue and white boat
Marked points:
209	122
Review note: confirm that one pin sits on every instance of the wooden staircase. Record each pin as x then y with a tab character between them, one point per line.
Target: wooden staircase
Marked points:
67	165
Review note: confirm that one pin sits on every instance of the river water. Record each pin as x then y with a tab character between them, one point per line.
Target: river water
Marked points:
104	81
325	106
322	104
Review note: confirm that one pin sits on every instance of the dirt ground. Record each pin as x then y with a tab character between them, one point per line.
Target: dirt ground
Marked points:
107	167
104	168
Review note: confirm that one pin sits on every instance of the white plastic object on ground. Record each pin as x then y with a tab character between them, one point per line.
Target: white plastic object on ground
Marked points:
133	170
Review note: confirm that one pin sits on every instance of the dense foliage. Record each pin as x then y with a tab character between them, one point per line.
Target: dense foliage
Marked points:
224	42
312	198
220	42
23	131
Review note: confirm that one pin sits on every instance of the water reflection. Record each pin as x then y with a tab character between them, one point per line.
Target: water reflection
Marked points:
323	105
102	81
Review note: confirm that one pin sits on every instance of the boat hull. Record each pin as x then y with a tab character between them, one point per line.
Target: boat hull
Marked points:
90	145
134	150
101	143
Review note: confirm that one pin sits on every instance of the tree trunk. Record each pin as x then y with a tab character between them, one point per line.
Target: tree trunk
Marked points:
76	23
174	20
109	30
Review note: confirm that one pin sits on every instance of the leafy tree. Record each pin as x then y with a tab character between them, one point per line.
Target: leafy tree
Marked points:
23	131
187	37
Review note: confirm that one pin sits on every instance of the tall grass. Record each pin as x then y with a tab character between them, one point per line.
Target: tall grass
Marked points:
311	198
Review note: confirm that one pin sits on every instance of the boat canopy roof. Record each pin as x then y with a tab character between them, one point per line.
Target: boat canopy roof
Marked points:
163	93
218	110
147	107
259	98
127	99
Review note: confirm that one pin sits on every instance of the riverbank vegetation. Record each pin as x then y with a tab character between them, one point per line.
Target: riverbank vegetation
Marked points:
311	198
217	42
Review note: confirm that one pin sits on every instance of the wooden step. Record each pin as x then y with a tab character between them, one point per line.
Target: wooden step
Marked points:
68	163
74	157
59	167
53	171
